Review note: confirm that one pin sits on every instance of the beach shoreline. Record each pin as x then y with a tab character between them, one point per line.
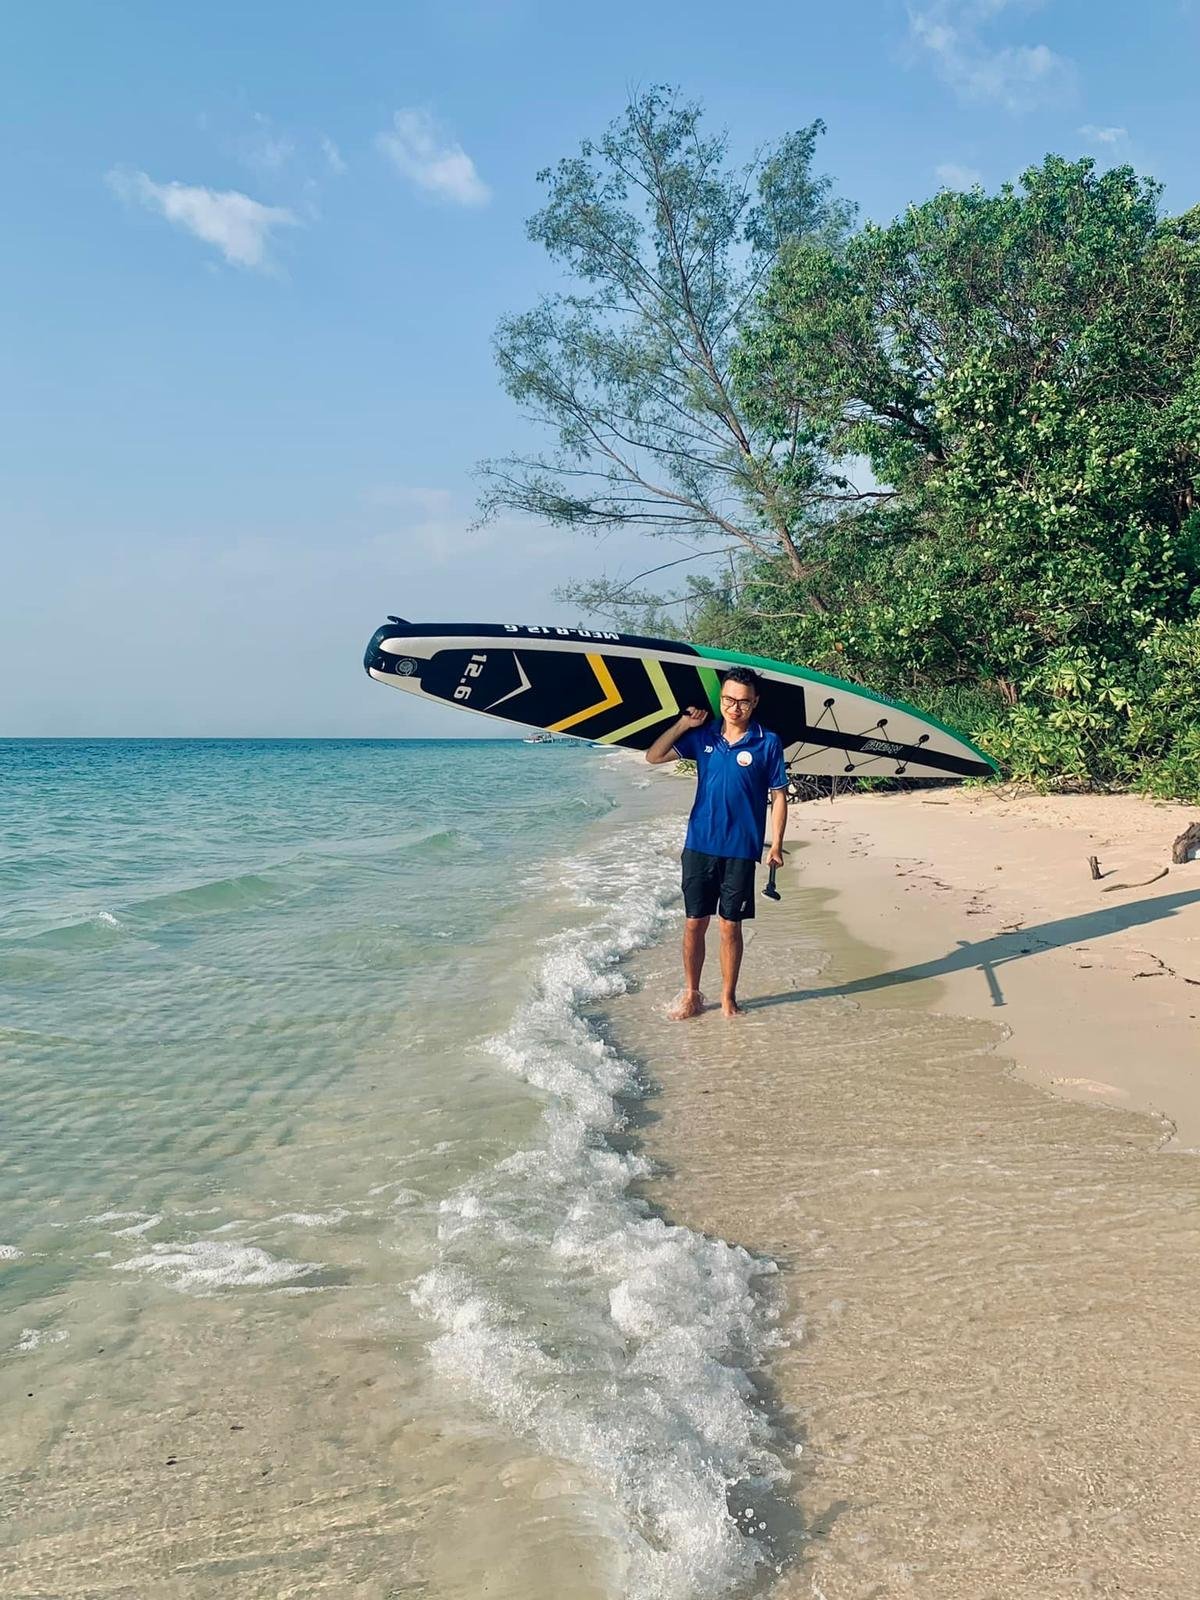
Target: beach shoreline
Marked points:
989	1354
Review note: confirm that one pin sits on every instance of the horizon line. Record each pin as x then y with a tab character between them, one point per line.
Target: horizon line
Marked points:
274	738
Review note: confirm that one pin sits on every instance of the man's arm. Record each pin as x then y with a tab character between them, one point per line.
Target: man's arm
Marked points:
663	748
779	811
777	789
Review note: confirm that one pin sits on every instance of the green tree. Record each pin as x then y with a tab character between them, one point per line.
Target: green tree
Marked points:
1022	371
668	246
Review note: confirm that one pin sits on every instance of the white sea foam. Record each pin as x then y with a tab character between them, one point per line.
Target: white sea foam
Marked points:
136	1229
314	1219
9	1252
206	1266
643	1379
136	1222
34	1338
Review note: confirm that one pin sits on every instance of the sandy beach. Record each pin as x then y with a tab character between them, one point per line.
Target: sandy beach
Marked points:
1096	981
961	1114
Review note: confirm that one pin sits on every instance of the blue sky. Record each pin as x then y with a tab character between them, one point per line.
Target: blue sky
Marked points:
255	255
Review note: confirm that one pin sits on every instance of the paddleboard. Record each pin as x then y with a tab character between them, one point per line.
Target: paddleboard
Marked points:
619	689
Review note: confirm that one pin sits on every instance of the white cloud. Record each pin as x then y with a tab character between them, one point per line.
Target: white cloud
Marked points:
239	227
951	176
1018	77
419	151
264	149
1109	136
333	157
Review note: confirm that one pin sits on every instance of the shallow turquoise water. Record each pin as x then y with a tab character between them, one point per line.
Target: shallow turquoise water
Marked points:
241	919
303	1089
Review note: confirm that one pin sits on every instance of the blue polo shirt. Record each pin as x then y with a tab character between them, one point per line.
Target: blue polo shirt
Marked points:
729	813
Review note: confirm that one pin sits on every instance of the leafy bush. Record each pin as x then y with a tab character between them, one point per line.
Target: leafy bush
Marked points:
1163	737
1083	722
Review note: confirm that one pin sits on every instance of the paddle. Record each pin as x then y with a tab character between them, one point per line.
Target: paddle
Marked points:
769	890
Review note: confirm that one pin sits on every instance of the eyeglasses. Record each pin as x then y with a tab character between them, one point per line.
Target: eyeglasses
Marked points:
736	700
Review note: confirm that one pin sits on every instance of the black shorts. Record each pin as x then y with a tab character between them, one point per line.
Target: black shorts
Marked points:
724	884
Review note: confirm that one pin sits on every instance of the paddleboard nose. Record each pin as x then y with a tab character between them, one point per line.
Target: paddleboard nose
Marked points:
387	653
372	654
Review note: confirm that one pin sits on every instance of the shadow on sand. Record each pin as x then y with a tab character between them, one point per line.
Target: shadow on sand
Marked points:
989	954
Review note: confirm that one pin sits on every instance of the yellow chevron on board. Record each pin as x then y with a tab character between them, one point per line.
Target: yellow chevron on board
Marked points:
612	698
667	703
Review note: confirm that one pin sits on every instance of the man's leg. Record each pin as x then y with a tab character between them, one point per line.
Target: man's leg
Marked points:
731	965
691	1001
735	906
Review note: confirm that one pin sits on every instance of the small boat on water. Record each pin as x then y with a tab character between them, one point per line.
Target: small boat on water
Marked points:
541	738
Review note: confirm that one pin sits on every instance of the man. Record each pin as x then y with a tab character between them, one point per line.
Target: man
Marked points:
738	765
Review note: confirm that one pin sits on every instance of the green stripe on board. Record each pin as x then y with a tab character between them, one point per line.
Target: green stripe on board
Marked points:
667	703
807	675
712	688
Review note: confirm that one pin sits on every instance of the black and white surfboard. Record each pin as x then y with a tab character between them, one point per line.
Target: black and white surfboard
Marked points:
619	689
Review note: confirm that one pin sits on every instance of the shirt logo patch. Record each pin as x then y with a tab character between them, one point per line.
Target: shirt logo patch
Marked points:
744	758
708	749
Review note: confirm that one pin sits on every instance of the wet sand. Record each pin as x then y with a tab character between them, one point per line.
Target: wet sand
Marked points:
991	1357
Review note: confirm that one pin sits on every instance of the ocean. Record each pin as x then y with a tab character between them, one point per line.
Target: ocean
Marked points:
324	1263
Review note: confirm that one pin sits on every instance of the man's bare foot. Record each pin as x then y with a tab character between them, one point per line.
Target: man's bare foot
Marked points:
731	1008
689	1004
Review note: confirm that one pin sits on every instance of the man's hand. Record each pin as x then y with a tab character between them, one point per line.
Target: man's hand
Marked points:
779	816
693	717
